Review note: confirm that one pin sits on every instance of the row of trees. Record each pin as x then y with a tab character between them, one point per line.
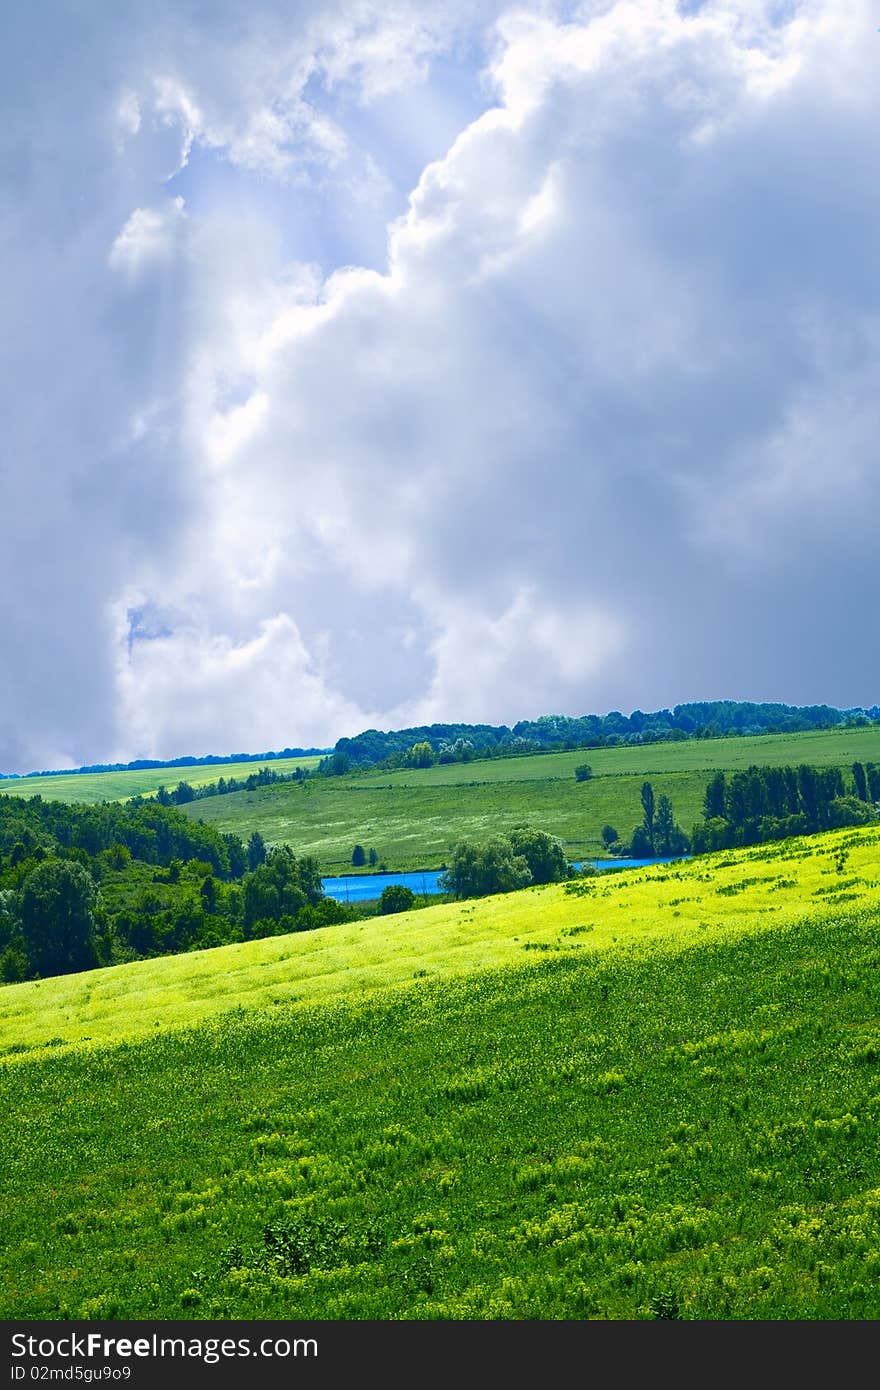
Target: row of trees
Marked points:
772	803
186	760
659	836
423	754
184	792
360	857
704	719
754	805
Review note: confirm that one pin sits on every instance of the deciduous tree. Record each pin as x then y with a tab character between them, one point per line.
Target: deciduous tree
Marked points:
57	918
396	898
648	810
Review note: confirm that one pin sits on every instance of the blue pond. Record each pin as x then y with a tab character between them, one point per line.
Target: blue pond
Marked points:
360	888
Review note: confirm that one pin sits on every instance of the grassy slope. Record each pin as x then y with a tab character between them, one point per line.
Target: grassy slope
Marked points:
413	818
674	905
662	1116
114	786
835	747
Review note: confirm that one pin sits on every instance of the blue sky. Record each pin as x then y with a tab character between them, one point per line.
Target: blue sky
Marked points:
374	365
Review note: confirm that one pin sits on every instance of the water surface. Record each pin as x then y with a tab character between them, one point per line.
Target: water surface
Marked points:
360	888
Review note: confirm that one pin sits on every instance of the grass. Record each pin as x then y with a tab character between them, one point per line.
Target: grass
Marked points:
93	787
655	1095
413	818
673	906
820	748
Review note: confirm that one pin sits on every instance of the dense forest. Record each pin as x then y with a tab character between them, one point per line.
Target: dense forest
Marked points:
443	743
82	886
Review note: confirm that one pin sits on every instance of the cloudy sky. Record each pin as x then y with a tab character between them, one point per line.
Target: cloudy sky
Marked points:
373	364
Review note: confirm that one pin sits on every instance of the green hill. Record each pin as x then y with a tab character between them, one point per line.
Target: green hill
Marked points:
648	1094
94	787
414	817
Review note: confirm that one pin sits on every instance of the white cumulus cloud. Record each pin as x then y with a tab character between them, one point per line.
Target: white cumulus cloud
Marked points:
597	431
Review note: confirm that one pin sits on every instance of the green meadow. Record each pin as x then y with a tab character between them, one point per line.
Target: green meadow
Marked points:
646	1094
414	817
115	786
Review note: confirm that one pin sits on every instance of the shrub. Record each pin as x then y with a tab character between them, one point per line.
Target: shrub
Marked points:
396	898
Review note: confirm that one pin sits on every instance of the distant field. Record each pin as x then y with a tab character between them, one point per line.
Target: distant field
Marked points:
821	748
114	786
653	1097
413	818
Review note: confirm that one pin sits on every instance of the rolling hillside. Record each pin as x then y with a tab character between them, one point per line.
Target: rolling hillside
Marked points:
652	1094
93	787
670	906
414	817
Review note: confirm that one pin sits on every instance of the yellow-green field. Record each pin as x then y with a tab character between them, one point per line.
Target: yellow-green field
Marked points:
645	1095
716	897
115	786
